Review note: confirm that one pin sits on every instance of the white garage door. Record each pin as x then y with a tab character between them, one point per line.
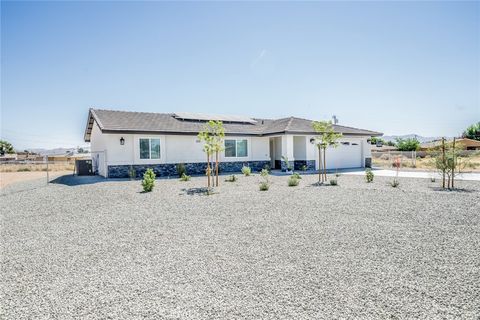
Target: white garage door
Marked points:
344	156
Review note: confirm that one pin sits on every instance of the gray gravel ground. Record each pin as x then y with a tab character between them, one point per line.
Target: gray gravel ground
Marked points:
357	250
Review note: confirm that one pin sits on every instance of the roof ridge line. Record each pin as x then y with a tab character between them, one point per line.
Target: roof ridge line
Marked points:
288	124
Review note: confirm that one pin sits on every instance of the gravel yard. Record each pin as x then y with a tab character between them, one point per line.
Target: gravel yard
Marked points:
356	250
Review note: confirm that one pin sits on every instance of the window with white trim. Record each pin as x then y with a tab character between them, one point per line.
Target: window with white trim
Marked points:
236	148
149	148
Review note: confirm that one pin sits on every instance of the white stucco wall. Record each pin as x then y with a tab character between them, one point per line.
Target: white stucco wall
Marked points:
173	149
300	147
344	156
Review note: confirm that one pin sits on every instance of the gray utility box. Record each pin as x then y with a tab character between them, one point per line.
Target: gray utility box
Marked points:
84	167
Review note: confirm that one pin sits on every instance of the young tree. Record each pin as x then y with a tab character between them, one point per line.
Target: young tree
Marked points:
218	134
327	137
207	139
472	132
447	161
6	147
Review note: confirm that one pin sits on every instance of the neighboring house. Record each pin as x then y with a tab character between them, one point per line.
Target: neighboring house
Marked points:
467	144
121	141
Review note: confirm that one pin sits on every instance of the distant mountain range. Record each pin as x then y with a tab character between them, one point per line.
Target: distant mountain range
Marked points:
409	136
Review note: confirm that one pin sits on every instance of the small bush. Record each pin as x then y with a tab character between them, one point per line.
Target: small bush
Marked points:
266	167
395	183
181	170
231	178
148	181
369	175
296	175
185	177
303	168
23	169
293	182
246	171
264	186
333	182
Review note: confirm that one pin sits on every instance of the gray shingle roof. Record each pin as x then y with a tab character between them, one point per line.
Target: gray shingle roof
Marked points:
144	122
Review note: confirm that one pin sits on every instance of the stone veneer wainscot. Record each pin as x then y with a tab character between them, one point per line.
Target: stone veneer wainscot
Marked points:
170	169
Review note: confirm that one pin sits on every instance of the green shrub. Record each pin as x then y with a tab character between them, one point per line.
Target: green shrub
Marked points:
369	175
296	175
23	169
185	177
246	171
148	181
181	170
231	178
395	183
303	168
266	167
293	182
333	182
264	186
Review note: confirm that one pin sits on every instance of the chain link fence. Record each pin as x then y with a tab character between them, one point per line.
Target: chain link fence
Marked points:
18	176
423	160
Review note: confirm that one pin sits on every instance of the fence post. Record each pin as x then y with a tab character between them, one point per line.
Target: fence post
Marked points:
46	160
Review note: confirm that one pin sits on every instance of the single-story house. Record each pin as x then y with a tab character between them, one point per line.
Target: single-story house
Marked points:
121	141
467	144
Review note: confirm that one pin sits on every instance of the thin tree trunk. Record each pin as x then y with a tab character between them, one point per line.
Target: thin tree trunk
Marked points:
320	165
208	169
454	164
216	166
325	164
443	163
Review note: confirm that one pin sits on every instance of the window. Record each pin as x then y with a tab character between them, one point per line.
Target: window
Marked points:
236	148
149	148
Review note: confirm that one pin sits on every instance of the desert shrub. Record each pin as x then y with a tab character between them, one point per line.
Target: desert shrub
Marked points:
264	186
395	183
148	181
287	163
369	175
296	175
246	171
181	170
185	177
385	156
23	170
266	167
231	178
293	182
265	183
333	182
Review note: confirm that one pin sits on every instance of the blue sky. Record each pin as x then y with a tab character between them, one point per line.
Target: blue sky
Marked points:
394	67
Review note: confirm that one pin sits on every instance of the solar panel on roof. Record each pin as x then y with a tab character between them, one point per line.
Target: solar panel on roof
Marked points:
207	117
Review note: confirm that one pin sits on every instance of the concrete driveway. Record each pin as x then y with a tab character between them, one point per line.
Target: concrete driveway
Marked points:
413	174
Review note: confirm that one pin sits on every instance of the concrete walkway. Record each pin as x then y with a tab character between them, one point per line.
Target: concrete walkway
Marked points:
413	174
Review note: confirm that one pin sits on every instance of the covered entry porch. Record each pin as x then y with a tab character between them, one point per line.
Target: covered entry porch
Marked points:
296	149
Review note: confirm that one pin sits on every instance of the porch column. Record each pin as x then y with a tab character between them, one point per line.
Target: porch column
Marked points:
287	150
